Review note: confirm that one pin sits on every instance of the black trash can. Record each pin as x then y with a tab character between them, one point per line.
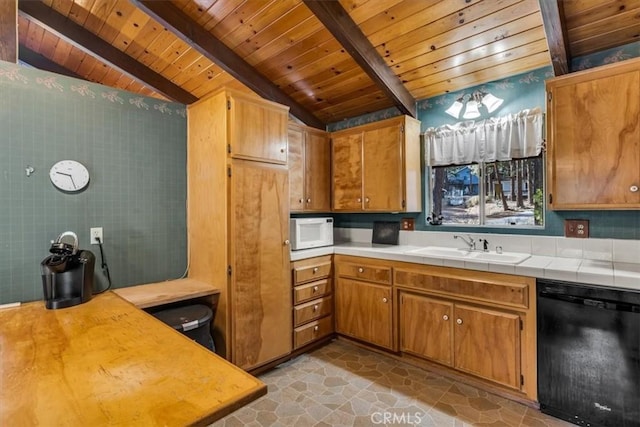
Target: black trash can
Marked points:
193	321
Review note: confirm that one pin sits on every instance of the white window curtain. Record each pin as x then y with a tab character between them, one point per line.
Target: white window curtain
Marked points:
501	138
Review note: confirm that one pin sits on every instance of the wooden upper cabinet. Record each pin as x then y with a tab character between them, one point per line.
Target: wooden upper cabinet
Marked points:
376	167
296	168
347	171
309	169
257	129
317	171
382	175
593	138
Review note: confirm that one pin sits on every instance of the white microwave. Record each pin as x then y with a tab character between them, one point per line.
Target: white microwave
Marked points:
308	233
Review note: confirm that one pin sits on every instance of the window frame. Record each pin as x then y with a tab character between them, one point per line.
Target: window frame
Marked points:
482	206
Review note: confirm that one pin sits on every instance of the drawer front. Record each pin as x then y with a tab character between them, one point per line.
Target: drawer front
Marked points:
500	293
371	273
309	291
312	310
312	331
311	272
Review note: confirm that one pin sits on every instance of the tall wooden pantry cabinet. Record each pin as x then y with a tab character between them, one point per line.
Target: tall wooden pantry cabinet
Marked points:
238	222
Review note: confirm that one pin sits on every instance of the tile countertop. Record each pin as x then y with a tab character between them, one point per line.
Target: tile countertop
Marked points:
596	272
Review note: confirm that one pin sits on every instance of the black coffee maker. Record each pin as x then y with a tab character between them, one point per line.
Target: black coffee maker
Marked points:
67	274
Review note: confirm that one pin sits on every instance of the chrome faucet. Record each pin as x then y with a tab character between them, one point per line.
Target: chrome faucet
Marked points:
471	243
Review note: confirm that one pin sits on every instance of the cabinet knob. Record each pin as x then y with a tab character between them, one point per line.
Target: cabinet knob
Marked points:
360	270
385	300
315	270
359	200
308	200
445	317
366	199
315	328
282	150
300	200
315	289
315	307
633	188
459	321
286	242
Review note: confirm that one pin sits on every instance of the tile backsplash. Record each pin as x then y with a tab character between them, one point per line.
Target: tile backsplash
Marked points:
607	250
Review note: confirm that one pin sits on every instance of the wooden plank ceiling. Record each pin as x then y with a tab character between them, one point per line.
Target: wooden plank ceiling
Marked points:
430	46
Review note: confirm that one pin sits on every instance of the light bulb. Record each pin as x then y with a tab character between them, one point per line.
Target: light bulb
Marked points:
455	109
492	102
472	110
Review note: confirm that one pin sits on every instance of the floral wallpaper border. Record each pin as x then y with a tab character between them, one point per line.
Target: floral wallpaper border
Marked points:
18	75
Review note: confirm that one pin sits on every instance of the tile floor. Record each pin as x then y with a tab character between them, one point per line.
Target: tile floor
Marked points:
344	385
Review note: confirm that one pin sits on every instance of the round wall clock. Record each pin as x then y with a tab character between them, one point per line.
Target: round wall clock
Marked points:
69	176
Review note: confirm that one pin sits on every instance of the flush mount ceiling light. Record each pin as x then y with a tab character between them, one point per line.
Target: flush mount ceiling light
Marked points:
473	103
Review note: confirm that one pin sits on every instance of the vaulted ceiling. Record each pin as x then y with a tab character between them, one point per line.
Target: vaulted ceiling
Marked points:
327	60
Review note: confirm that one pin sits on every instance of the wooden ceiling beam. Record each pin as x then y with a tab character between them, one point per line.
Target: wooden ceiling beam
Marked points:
41	62
9	30
556	32
208	45
103	51
336	19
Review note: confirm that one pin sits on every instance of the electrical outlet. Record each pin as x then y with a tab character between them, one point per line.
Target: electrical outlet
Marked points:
96	233
576	228
407	224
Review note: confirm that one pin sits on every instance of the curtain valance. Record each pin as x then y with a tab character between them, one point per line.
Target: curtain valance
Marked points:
501	138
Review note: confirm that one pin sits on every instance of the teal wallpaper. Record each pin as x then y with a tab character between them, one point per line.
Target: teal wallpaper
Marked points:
135	150
519	92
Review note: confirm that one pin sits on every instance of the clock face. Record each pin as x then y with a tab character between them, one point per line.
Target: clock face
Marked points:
69	176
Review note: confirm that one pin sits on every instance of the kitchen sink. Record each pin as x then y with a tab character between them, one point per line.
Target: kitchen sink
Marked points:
500	258
441	252
465	254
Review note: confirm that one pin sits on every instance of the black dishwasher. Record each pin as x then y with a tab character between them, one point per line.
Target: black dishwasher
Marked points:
589	353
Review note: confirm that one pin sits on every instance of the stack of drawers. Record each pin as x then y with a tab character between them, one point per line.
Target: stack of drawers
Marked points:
312	300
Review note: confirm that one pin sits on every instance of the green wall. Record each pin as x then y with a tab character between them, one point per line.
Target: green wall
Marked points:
135	150
519	92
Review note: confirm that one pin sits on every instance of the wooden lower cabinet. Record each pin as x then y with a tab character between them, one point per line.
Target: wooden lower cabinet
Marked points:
312	300
474	323
364	311
487	344
312	331
426	327
480	341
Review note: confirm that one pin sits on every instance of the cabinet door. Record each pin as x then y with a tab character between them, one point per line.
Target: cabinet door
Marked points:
296	169
257	129
487	344
382	182
317	159
364	311
594	142
260	278
347	172
426	327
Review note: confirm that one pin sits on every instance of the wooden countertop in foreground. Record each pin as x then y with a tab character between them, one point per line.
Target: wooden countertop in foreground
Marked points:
107	362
